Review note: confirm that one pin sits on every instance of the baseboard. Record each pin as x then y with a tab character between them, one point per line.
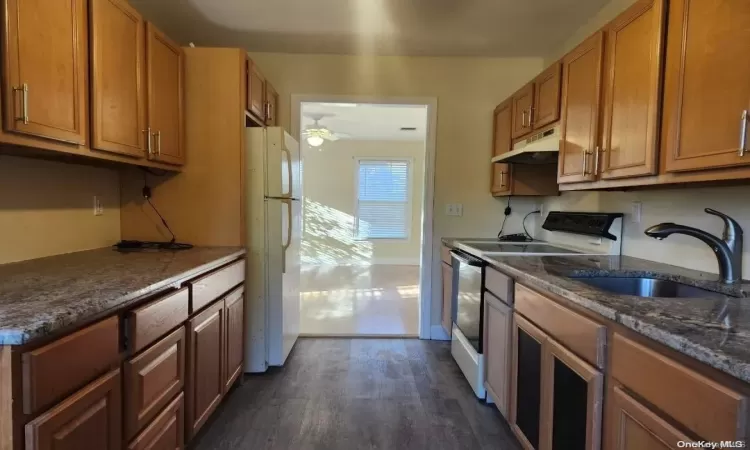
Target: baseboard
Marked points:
437	333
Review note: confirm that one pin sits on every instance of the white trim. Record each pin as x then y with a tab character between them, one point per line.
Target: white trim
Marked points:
429	246
409	198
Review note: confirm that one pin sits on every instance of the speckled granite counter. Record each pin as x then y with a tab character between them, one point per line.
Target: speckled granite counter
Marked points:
693	326
42	296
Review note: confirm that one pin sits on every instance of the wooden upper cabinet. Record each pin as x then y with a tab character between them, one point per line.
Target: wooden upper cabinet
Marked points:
164	74
272	106
90	418
45	69
118	94
256	88
633	426
523	105
501	143
707	85
632	91
546	97
581	87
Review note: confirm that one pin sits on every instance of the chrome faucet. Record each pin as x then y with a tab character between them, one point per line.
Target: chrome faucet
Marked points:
728	249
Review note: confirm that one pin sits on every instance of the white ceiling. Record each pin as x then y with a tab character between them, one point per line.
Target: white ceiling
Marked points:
393	27
370	121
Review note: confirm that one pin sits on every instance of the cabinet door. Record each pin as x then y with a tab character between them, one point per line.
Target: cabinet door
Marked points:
272	105
205	380
502	142
527	379
497	349
523	103
166	431
45	68
234	309
255	91
582	74
547	97
707	84
573	407
447	310
164	74
90	418
152	379
632	91
632	426
118	95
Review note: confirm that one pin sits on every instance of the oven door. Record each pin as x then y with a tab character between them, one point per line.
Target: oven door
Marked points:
468	271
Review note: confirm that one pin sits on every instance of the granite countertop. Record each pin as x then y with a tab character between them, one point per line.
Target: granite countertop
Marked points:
41	297
715	331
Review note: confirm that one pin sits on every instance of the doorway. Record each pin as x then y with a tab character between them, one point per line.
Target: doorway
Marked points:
364	190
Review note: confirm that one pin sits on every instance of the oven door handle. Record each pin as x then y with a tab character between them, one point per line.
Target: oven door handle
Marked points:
467	259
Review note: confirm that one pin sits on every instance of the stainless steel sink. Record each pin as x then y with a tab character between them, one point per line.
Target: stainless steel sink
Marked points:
647	287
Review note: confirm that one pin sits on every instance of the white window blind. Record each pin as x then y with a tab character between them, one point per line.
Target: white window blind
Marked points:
383	203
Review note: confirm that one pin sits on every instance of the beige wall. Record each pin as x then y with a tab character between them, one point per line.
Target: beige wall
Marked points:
46	208
467	91
330	204
684	206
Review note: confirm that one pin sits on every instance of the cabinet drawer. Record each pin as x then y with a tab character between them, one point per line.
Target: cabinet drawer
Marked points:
153	320
499	284
683	394
53	372
579	334
445	255
152	379
166	430
208	288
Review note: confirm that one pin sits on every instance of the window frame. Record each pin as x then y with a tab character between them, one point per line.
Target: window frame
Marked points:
409	197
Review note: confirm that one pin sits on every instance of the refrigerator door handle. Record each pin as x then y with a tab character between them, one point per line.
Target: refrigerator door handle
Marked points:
289	170
285	246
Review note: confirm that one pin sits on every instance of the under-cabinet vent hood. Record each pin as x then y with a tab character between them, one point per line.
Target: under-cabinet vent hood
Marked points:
539	148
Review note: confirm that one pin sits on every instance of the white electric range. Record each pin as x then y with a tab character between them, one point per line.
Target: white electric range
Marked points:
563	234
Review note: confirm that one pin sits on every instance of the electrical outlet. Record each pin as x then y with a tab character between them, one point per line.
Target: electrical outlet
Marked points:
454	209
98	207
636	210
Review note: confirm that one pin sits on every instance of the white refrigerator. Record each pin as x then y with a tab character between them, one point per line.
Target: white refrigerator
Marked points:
274	231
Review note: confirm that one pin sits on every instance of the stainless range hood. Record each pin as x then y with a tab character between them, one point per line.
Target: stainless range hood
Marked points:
540	148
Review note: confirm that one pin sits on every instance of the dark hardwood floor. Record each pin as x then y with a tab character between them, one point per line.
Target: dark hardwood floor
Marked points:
358	394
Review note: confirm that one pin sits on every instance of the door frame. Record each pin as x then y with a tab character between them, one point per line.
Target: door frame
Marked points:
427	267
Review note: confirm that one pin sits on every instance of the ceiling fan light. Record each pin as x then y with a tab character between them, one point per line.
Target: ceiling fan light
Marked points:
315	141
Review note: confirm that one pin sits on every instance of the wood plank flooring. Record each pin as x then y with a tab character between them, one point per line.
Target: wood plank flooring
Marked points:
358	394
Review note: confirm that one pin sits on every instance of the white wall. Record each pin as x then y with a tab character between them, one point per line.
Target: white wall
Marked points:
330	200
679	205
467	91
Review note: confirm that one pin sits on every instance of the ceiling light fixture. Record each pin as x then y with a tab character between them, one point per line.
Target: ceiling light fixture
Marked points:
315	141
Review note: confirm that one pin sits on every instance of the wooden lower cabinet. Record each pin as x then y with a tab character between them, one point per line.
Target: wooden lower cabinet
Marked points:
152	379
633	426
166	431
89	419
205	373
447	308
234	336
497	349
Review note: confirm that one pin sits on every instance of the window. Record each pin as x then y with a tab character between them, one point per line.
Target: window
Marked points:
383	209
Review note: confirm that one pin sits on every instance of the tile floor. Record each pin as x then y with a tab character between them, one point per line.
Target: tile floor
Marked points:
376	300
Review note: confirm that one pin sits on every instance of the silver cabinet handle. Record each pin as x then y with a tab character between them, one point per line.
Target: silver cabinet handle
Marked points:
148	140
531	116
585	161
24	103
743	133
502	178
596	160
157	135
523	119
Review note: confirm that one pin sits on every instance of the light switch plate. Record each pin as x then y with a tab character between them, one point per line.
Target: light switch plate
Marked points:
454	209
636	210
98	207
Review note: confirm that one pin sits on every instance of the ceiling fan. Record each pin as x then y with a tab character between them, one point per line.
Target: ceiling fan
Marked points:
316	134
